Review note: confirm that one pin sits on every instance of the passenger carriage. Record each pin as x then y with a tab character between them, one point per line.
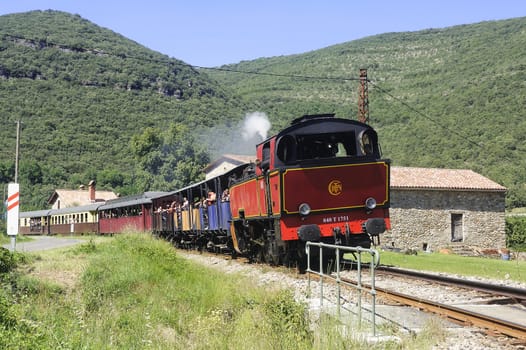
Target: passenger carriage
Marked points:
72	220
128	214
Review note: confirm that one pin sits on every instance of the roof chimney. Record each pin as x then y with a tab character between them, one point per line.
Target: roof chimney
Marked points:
91	185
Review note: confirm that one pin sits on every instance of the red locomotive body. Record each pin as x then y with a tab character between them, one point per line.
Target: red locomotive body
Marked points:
321	179
334	193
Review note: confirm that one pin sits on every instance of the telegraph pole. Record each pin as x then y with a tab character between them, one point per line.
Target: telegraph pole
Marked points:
363	98
17	149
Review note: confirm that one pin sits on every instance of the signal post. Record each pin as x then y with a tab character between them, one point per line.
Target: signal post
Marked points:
13	197
13	209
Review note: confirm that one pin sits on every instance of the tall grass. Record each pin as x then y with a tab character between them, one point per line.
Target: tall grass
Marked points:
134	292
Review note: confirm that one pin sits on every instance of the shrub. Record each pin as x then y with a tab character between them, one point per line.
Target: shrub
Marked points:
516	233
288	318
7	317
7	260
87	248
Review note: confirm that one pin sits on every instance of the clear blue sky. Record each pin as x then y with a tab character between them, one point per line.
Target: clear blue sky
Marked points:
214	32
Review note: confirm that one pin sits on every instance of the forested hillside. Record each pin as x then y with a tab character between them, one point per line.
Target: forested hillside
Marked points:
452	97
95	105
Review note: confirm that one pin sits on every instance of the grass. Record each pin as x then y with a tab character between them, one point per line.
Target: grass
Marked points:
521	210
454	264
135	292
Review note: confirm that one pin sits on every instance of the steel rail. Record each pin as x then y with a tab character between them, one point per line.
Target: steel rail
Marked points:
511	292
456	314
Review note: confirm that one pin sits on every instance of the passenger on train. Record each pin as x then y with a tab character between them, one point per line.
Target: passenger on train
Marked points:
211	199
225	196
185	204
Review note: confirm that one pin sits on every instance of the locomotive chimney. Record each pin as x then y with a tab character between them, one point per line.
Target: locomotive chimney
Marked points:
91	185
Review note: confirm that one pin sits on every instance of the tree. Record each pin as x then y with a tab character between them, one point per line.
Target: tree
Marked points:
110	178
145	143
7	172
168	160
31	172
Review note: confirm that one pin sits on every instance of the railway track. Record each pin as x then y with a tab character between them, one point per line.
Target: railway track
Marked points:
456	314
514	334
517	294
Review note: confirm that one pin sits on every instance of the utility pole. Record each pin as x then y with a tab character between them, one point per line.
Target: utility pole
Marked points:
17	149
363	98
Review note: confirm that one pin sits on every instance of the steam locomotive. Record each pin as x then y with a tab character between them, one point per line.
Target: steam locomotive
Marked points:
321	179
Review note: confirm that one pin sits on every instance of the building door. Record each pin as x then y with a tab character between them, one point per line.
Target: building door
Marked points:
456	228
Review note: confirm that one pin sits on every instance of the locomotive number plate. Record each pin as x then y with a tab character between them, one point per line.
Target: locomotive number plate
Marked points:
332	219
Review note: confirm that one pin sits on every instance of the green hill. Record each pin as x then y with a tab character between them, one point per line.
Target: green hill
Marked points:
450	97
95	105
83	93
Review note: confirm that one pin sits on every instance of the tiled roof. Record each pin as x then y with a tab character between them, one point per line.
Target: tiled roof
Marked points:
441	179
75	198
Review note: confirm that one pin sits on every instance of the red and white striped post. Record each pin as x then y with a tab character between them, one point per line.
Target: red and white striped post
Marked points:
13	209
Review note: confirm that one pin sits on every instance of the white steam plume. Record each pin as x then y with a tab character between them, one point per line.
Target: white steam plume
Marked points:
255	123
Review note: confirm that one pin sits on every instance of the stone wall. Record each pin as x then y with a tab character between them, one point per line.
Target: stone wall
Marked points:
422	218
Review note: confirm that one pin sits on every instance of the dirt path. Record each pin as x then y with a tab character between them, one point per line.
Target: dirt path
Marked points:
40	243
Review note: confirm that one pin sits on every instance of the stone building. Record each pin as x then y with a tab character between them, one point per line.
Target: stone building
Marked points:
443	208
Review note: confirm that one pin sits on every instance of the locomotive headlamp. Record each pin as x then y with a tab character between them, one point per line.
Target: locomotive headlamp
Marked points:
304	209
370	203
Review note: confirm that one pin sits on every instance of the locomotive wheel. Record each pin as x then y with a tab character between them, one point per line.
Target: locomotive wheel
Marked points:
233	251
257	255
271	256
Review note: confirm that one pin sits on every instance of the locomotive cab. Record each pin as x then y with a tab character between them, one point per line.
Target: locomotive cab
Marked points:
325	141
318	139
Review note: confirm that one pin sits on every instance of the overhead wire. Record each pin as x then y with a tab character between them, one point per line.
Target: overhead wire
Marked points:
173	61
423	115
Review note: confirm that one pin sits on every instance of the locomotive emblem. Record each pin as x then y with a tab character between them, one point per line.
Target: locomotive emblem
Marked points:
335	187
